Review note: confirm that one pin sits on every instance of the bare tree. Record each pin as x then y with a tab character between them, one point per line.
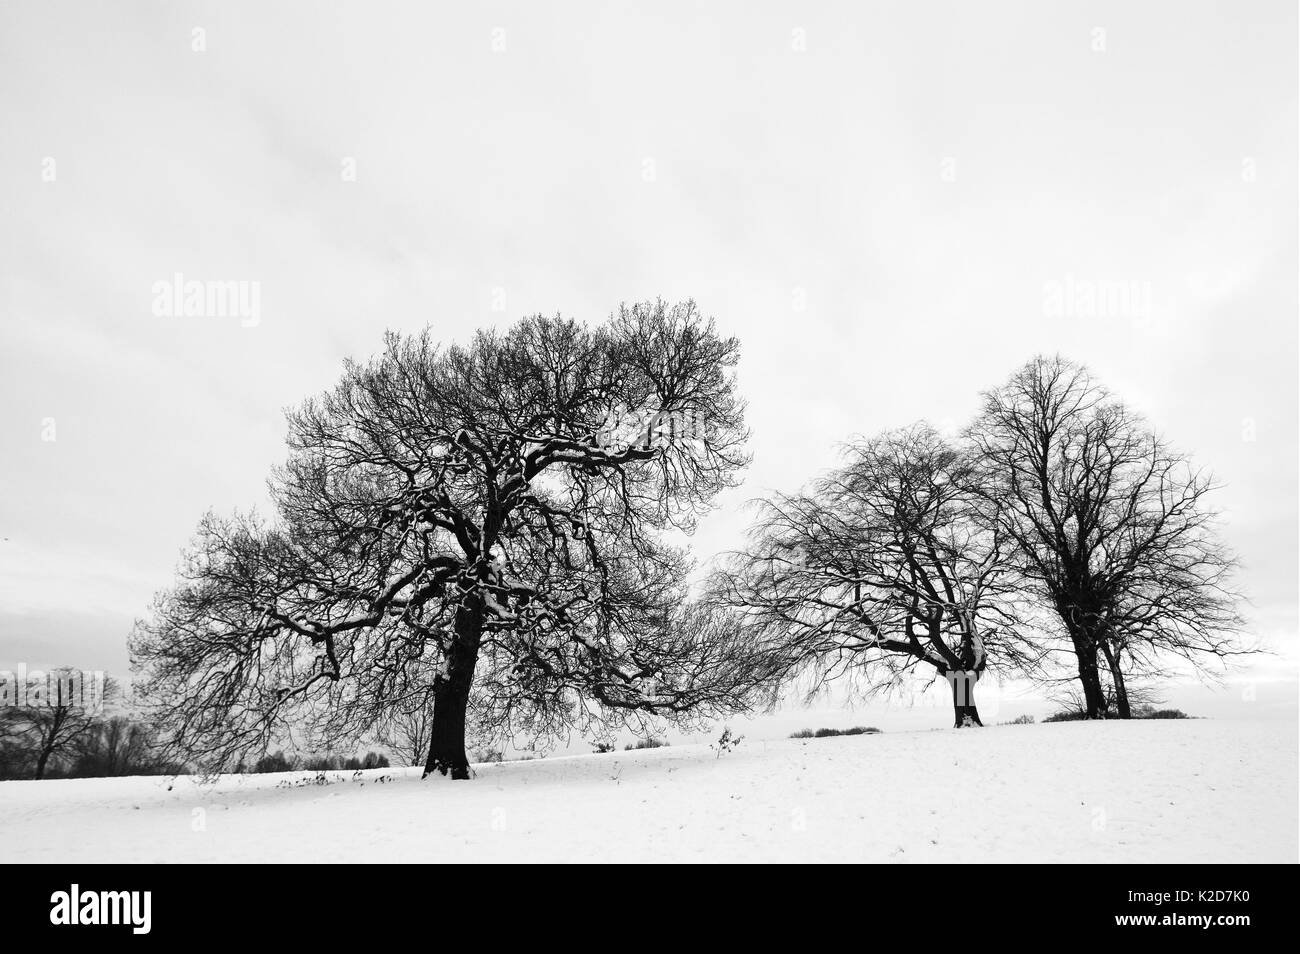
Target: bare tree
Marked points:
51	724
881	568
482	523
407	729
114	746
14	761
1111	525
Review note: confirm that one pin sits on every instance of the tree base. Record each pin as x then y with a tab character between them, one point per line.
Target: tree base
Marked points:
459	771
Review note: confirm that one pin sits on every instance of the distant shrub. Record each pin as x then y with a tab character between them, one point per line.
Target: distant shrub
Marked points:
1025	719
1140	712
1146	712
489	755
829	733
645	744
323	763
604	747
374	760
275	762
336	763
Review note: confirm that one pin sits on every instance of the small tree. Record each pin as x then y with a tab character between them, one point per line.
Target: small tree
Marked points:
881	568
1111	527
54	720
114	746
407	728
16	759
481	523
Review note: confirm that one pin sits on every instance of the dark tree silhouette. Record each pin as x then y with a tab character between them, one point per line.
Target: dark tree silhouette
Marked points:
880	568
485	524
1111	526
114	746
59	713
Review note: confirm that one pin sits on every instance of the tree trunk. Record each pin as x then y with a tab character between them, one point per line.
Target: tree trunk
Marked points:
1094	697
965	714
1085	649
1117	678
451	698
41	762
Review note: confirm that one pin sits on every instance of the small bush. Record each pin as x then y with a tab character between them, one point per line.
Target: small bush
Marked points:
1149	713
1025	719
1141	712
603	747
645	744
274	762
489	755
726	742
374	760
336	763
323	763
830	733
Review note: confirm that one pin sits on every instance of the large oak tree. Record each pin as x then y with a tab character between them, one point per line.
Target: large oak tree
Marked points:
487	528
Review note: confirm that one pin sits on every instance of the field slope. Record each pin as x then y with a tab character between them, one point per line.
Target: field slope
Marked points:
1186	791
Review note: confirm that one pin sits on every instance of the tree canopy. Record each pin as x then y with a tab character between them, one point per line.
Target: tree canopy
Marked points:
484	526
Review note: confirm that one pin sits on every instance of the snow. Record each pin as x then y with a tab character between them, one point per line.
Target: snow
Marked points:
1169	791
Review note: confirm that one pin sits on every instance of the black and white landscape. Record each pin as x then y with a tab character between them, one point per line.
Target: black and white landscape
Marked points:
649	433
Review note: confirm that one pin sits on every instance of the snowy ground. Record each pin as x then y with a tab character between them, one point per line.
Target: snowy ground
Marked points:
1139	791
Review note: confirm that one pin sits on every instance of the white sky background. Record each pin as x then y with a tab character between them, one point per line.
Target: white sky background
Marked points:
879	215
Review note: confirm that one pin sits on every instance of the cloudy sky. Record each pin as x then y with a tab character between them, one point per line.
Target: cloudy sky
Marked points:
891	204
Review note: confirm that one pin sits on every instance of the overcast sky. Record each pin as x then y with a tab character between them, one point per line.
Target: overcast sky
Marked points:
892	205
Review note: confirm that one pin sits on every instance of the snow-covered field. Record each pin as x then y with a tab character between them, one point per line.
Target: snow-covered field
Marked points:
1186	791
